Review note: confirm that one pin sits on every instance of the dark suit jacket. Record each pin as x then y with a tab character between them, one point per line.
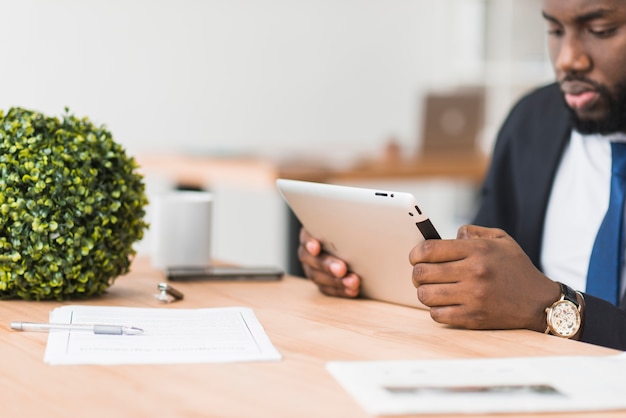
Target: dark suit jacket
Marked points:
517	187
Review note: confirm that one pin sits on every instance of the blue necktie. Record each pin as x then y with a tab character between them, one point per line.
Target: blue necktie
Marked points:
603	276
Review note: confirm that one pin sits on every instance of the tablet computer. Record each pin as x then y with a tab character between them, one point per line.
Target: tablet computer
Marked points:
372	230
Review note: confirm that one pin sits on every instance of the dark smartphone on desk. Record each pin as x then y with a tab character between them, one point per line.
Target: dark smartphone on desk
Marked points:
221	273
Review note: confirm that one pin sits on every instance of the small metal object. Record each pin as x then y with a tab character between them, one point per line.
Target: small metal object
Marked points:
167	293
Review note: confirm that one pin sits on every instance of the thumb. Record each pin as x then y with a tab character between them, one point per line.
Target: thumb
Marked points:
475	231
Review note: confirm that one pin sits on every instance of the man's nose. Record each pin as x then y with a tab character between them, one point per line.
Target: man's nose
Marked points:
572	56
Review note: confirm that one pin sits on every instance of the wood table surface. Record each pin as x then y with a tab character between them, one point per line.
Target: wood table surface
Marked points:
308	329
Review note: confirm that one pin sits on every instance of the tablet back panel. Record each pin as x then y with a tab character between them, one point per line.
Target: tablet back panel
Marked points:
372	230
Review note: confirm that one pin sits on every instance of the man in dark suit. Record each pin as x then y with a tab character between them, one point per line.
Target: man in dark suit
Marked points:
544	198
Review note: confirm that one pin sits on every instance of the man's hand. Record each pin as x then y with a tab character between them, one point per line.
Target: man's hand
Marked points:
329	273
481	280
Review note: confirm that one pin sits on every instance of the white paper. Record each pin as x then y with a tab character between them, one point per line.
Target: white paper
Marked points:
533	384
209	335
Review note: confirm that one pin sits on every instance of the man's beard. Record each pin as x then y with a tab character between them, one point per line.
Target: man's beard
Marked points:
613	121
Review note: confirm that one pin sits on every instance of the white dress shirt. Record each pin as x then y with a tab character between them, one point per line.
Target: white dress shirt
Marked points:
576	207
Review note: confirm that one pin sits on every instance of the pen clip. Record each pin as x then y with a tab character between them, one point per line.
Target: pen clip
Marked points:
167	293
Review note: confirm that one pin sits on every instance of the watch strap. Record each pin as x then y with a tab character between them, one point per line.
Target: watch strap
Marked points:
569	294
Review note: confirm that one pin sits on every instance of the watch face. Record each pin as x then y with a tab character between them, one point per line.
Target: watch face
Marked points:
564	319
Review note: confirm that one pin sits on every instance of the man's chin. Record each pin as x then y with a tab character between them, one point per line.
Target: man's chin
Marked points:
594	128
589	124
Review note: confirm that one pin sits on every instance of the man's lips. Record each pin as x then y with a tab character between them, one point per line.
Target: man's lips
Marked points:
579	95
582	100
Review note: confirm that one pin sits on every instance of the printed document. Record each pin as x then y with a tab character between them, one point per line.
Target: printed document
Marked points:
231	334
479	386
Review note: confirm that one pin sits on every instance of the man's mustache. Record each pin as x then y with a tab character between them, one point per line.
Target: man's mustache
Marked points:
582	79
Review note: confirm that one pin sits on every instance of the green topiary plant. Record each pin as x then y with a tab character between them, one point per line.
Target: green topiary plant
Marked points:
71	207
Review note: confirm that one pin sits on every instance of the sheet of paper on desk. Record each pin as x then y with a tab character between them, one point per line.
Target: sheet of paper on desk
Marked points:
209	335
533	384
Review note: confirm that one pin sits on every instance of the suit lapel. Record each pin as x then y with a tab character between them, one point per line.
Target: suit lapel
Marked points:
542	158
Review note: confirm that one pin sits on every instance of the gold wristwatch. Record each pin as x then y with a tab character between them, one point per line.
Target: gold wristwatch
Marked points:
564	316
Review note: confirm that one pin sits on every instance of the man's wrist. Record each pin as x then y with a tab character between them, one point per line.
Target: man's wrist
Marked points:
548	297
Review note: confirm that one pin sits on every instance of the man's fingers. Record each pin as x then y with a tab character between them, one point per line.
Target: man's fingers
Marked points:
437	251
468	242
323	262
347	286
329	273
309	243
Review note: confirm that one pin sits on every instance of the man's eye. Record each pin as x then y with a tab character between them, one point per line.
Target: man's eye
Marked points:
603	32
554	29
555	32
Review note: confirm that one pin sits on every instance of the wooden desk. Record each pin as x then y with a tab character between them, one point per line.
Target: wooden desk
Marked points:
309	329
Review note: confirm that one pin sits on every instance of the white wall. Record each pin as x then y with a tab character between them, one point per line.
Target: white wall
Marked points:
269	76
332	79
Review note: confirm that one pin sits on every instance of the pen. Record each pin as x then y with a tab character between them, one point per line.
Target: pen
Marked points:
96	329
